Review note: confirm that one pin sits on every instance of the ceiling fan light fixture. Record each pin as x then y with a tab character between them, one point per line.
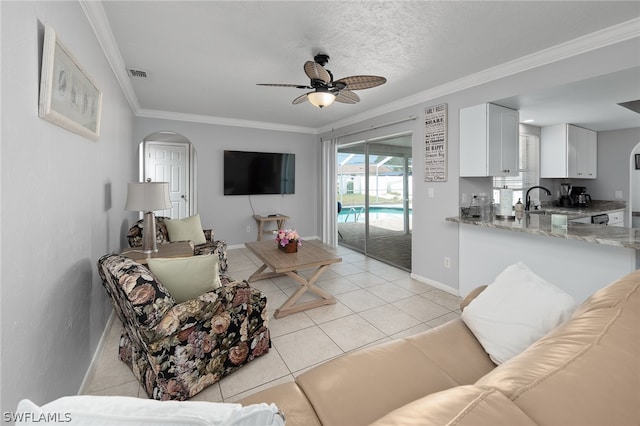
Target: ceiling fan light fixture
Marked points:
325	89
321	98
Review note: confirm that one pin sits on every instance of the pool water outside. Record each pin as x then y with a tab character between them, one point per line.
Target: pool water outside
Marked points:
385	217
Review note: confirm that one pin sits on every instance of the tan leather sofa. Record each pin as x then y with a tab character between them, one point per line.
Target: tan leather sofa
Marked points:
584	372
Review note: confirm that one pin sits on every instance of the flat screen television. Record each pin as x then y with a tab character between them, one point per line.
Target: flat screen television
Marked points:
249	173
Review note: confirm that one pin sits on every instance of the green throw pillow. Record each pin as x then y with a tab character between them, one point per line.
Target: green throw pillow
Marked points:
186	277
187	229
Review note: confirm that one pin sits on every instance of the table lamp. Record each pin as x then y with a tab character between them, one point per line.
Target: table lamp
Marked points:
147	197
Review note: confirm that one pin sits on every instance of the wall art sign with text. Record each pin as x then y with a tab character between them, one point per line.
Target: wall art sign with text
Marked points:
435	141
68	96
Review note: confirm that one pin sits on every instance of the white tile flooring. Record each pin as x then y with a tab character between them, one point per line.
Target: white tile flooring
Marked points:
376	303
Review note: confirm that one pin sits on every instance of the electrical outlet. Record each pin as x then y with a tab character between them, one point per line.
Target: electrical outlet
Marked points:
464	198
618	194
430	192
249	228
447	262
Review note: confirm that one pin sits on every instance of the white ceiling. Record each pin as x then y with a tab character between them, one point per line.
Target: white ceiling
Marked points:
204	58
591	103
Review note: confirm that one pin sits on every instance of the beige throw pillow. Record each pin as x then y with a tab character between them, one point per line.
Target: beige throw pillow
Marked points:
186	277
187	229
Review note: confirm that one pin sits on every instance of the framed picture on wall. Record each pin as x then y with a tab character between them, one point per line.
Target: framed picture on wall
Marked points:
69	97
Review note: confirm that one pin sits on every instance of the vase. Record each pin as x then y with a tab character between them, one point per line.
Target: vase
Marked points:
292	247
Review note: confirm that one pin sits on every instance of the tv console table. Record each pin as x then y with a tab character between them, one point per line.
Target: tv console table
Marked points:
261	220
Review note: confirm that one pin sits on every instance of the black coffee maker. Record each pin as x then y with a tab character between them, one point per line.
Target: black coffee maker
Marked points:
565	195
580	197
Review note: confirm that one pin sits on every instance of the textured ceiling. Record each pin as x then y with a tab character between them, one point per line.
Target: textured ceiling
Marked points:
204	58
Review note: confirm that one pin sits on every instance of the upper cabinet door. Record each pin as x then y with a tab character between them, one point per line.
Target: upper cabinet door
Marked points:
586	149
568	151
503	141
488	141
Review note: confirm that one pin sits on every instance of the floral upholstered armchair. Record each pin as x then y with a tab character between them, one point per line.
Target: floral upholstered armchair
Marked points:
176	350
134	236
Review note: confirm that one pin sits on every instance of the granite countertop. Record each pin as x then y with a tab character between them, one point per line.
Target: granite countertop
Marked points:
540	224
595	207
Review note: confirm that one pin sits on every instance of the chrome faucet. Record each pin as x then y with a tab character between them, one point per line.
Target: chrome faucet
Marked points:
528	204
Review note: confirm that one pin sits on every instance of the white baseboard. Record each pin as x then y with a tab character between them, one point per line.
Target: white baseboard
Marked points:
96	354
235	246
436	284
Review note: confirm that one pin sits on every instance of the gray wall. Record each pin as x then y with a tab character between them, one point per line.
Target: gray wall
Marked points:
62	207
433	237
229	216
615	150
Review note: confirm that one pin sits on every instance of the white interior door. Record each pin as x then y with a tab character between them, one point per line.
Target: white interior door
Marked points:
169	162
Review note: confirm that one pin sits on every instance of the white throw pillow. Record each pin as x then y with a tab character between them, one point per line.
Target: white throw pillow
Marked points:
516	310
187	229
88	410
186	277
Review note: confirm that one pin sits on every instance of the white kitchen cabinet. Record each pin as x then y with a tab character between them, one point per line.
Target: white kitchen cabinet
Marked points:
568	151
489	137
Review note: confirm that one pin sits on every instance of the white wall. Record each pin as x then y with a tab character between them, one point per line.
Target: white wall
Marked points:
588	268
62	208
229	216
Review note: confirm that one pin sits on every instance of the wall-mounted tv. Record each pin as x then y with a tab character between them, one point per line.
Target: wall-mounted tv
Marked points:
248	173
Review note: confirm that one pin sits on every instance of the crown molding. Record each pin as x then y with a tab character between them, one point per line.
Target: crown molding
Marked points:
94	11
223	121
97	18
606	37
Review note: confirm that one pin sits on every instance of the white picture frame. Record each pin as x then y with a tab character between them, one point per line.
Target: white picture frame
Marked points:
69	97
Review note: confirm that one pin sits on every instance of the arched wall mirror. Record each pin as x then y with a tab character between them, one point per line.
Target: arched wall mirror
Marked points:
167	156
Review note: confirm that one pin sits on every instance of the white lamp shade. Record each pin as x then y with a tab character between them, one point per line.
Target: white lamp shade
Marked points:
148	196
321	99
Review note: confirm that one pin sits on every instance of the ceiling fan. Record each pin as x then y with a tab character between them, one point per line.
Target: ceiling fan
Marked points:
325	90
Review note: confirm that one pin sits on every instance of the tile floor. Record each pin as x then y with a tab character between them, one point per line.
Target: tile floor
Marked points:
376	303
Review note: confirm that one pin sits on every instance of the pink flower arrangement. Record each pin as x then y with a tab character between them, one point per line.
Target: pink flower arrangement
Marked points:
285	236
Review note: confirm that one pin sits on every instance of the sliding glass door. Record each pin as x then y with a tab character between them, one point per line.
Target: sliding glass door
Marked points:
352	201
374	192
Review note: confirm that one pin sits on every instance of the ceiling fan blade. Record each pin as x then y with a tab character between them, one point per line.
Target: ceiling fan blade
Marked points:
315	71
359	82
300	99
297	86
347	97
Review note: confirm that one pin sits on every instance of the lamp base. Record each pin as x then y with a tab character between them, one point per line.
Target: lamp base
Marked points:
149	242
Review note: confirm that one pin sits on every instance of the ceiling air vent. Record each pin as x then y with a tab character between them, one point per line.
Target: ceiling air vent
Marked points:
137	73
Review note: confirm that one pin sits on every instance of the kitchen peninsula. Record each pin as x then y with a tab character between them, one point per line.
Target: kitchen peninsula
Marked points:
577	259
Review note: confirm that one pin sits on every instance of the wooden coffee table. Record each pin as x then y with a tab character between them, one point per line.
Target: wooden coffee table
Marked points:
281	263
